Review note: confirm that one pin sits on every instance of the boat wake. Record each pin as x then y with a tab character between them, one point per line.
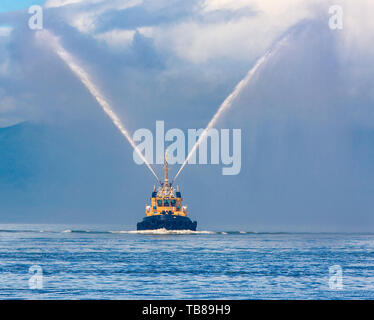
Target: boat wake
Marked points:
164	231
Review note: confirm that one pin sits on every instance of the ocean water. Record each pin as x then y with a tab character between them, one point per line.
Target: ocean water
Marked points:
104	262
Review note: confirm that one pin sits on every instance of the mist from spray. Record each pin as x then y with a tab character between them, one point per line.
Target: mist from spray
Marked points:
227	103
49	38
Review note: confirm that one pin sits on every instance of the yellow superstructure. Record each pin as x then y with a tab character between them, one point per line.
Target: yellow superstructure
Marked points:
166	200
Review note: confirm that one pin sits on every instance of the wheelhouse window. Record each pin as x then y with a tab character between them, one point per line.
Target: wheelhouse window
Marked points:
166	203
159	203
172	203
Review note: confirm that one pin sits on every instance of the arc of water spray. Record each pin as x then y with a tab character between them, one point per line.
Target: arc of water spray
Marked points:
227	103
84	77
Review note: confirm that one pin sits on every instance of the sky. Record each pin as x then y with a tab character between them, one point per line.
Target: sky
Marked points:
307	117
11	5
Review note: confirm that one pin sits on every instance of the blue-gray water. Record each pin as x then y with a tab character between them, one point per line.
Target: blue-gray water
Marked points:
86	262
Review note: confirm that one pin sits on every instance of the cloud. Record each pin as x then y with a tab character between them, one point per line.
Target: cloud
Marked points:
5	31
213	5
199	42
206	36
241	37
61	3
5	36
223	29
9	106
4	67
6	103
85	15
116	38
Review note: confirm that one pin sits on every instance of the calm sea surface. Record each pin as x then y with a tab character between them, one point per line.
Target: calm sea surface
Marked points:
103	262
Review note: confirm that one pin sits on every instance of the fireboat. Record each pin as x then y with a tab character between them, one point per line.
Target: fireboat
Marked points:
166	210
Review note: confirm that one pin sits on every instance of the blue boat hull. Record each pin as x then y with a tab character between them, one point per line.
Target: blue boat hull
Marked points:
168	222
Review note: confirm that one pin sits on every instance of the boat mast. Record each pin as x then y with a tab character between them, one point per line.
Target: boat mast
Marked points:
166	168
